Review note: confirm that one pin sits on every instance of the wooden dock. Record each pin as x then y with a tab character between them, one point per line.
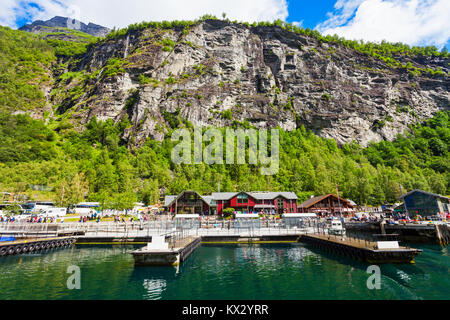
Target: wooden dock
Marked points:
11	248
179	252
366	251
410	232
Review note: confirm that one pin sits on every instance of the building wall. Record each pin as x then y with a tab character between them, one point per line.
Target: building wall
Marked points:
234	203
220	207
422	204
291	207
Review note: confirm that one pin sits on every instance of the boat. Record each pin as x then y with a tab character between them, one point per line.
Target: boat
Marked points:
335	227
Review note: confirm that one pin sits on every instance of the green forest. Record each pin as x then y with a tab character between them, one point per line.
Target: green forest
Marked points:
97	165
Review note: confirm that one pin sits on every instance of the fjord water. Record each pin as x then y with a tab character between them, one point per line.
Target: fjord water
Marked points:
228	272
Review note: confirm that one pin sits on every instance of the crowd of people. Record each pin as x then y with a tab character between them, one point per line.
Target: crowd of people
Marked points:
31	219
92	217
143	218
368	218
7	219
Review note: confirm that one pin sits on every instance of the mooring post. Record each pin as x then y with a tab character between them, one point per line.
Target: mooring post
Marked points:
438	235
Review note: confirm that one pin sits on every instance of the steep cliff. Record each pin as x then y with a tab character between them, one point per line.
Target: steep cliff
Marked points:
218	73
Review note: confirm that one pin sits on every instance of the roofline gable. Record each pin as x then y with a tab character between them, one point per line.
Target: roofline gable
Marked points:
425	192
183	192
320	198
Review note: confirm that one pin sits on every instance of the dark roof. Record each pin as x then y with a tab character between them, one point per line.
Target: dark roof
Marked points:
425	192
171	199
312	201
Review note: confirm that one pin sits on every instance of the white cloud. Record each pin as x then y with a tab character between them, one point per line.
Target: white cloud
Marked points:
119	13
414	22
298	23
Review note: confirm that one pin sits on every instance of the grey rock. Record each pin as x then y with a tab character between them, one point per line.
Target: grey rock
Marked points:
266	76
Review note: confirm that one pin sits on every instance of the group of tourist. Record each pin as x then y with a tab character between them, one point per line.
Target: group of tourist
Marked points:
122	219
7	219
34	219
30	219
92	217
368	218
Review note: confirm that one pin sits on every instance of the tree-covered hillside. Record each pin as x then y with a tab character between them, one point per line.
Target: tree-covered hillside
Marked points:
28	63
25	70
97	165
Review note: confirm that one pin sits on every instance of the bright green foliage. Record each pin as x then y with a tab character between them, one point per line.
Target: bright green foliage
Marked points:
25	62
113	68
309	165
426	147
143	80
168	45
227	114
228	212
68	42
68	48
170	80
326	97
23	139
156	25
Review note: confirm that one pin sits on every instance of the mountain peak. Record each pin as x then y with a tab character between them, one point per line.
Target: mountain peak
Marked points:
65	22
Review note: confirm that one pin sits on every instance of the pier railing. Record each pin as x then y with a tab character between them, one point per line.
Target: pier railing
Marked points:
149	228
175	230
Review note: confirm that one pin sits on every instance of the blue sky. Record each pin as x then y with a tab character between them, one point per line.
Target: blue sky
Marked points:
415	22
310	13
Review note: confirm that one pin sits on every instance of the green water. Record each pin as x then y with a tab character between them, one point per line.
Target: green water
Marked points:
223	272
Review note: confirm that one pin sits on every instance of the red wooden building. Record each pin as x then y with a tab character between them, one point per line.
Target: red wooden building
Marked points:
257	202
244	202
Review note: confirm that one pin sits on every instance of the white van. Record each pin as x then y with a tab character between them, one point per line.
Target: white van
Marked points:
86	208
54	212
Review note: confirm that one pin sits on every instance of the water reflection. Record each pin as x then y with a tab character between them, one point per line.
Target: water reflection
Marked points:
229	272
154	288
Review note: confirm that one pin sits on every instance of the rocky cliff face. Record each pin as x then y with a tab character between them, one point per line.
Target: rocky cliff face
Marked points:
64	22
218	73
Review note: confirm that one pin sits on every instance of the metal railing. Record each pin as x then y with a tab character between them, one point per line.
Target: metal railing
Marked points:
147	229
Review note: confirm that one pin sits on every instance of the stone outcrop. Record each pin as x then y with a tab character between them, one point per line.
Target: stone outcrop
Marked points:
219	73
